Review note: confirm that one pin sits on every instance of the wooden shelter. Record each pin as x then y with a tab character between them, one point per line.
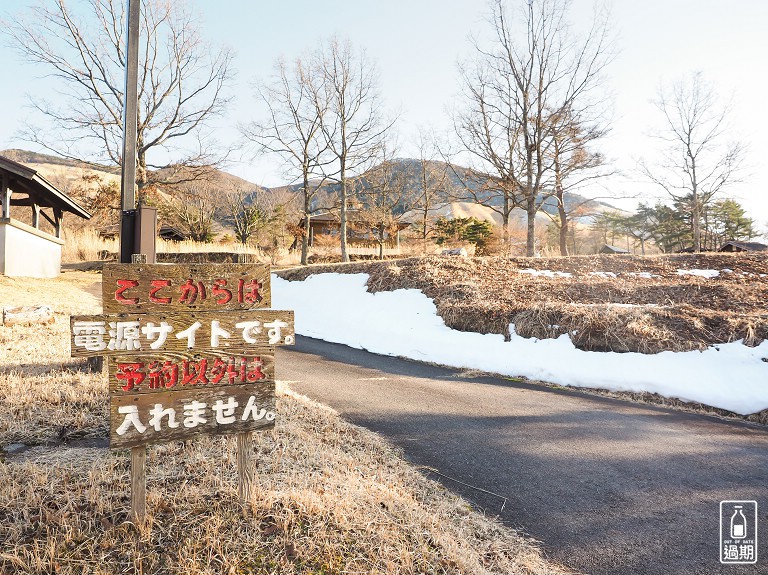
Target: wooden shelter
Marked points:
359	233
743	247
606	249
25	248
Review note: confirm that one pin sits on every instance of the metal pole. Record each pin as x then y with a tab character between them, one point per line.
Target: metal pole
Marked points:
130	121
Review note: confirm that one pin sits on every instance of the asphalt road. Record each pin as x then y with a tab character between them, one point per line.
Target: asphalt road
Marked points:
607	486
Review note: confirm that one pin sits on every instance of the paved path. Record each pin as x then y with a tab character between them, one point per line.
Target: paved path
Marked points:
609	487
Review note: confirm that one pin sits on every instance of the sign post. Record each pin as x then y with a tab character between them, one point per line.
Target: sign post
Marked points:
130	126
190	352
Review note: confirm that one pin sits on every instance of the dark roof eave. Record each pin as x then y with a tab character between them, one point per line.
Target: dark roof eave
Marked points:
61	200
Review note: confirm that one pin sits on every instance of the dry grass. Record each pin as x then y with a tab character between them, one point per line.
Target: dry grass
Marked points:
85	246
332	497
46	395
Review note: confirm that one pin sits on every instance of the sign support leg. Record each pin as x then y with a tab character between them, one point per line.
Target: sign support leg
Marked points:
245	474
138	483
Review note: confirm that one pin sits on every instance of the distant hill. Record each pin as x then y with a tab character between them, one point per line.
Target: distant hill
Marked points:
36	158
71	176
455	202
54	167
67	174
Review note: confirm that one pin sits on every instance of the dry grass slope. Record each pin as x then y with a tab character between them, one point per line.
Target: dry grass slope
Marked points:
605	305
332	498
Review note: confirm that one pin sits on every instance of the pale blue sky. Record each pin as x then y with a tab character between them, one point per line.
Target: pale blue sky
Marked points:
417	43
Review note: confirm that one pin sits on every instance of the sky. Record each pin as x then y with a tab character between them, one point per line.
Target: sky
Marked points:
417	44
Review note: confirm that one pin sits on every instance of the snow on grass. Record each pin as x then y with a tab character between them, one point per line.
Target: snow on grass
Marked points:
709	274
646	275
546	273
337	308
603	274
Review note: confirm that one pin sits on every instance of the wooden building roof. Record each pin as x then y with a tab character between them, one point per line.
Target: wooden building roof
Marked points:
39	191
734	246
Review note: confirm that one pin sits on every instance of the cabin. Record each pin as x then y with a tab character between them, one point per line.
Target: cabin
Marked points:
743	247
358	232
31	222
606	249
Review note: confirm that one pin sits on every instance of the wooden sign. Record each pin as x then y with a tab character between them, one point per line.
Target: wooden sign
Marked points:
143	418
190	352
142	288
164	373
180	332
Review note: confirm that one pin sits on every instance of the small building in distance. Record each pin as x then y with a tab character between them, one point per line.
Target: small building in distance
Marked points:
743	247
26	249
358	232
606	249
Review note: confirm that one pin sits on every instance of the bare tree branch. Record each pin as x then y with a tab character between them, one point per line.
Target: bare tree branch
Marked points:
181	83
353	127
534	68
697	162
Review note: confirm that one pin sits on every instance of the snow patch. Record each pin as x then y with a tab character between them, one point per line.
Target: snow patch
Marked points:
337	308
646	275
546	273
709	274
603	274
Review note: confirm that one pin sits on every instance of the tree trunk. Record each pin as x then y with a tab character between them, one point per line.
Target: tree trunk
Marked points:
696	221
141	170
305	241
307	222
563	232
560	195
505	224
381	242
530	240
343	214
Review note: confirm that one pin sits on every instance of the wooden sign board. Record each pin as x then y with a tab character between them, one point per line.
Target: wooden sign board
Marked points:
142	288
190	352
167	373
178	333
144	418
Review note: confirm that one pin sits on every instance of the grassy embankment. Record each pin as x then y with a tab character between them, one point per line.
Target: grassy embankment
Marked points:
603	303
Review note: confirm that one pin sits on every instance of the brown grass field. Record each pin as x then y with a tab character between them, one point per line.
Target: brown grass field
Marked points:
332	498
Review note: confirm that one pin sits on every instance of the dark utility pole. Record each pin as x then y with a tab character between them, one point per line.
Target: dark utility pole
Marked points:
128	183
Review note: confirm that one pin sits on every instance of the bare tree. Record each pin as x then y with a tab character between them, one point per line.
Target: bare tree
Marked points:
279	209
535	67
181	83
490	135
431	186
575	163
354	126
296	102
697	161
386	196
191	206
240	210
